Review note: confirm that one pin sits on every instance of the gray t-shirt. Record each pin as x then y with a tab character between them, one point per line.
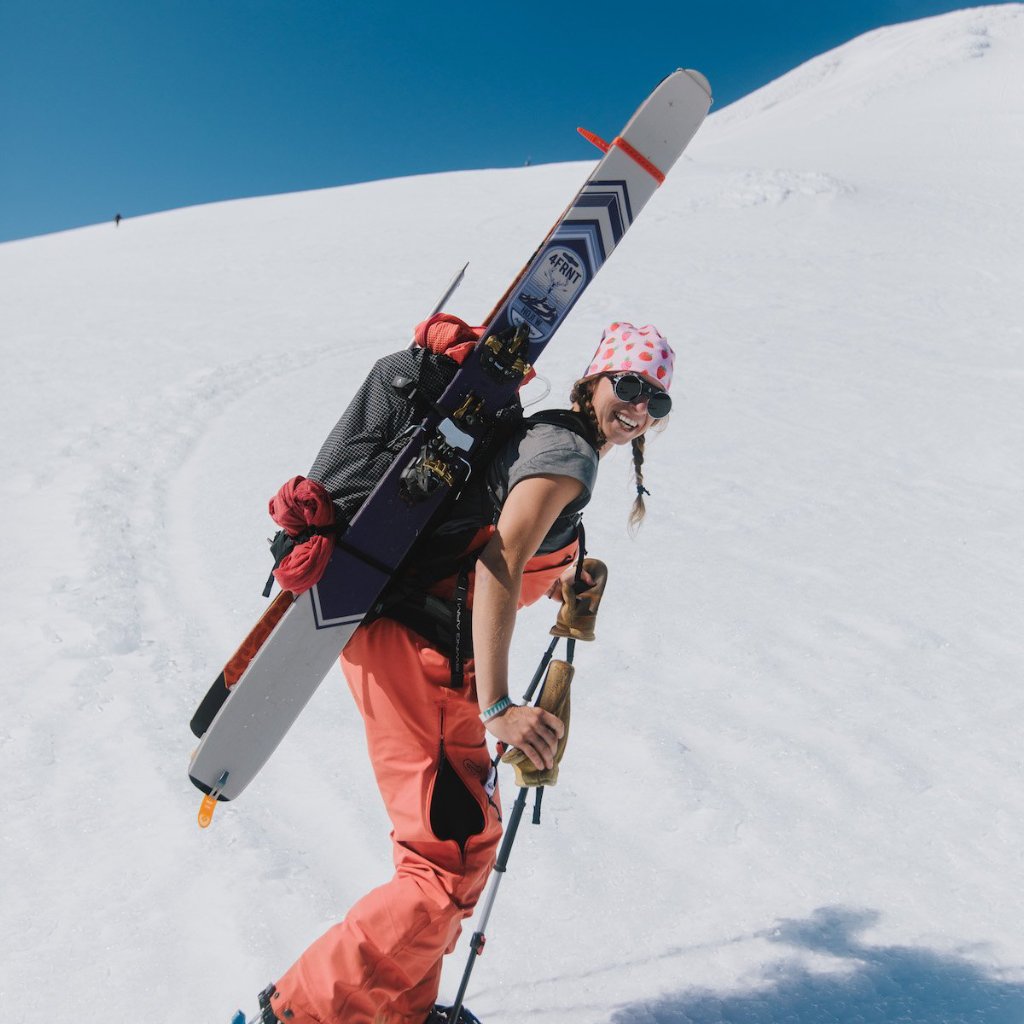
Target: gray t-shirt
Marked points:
541	449
552	450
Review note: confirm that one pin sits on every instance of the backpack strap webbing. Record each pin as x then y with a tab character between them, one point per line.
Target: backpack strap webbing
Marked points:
577	422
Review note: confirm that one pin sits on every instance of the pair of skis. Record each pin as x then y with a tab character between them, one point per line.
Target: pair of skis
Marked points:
294	645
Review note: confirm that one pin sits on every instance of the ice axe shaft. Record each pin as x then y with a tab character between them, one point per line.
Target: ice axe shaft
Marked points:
450	291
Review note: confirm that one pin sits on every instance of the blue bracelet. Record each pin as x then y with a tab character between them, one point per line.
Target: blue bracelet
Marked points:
495	709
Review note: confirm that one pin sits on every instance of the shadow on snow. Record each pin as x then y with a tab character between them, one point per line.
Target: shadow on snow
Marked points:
873	985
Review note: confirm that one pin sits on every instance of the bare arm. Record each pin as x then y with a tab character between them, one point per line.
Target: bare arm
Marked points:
528	513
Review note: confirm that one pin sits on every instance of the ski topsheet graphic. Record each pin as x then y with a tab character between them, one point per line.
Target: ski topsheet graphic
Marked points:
288	653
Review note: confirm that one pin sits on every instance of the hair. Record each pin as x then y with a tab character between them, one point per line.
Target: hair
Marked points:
582	395
639	509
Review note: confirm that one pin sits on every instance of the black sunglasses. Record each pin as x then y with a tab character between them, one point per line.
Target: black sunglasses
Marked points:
631	387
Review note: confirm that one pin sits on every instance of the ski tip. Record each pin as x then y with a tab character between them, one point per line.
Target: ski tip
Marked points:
700	79
239	1018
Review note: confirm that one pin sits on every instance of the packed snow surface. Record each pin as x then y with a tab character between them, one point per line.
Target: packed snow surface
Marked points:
794	790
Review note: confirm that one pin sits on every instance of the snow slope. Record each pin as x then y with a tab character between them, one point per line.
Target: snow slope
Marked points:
794	788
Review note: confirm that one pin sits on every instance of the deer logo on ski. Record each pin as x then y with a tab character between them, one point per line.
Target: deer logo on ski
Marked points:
549	291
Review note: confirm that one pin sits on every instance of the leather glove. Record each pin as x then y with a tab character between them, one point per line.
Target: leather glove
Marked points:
578	614
554	698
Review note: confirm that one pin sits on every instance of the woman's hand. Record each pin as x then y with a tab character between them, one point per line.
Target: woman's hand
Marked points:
569	576
532	730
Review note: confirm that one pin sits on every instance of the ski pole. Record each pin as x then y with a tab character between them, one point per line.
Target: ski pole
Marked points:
476	943
539	674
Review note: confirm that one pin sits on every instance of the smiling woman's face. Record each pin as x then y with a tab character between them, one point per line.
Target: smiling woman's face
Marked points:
620	422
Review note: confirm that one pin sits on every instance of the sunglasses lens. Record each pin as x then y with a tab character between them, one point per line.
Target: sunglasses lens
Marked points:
659	404
628	387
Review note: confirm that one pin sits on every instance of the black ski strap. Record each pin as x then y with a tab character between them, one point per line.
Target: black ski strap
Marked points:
283	543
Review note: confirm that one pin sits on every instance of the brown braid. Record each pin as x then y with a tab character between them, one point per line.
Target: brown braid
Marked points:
581	395
639	510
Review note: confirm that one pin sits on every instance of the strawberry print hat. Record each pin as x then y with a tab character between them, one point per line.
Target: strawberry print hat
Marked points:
625	348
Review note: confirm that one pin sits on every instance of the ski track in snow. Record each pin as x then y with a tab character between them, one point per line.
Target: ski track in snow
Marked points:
795	789
129	648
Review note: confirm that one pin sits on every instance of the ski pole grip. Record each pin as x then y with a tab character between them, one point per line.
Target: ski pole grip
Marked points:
554	698
578	612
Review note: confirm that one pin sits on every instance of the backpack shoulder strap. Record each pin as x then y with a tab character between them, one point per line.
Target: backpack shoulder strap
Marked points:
570	420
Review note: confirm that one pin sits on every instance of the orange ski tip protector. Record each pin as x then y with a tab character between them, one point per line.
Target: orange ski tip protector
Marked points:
634	154
631	151
595	139
206	809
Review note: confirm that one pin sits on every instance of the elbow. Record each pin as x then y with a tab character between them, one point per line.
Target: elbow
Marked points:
503	563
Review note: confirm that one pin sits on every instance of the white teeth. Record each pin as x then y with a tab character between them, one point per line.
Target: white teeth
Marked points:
627	423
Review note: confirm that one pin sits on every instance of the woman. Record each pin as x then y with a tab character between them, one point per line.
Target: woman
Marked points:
425	727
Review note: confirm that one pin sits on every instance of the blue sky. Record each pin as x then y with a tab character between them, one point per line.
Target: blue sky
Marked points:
135	106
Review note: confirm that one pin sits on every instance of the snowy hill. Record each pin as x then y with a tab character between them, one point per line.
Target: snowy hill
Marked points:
794	790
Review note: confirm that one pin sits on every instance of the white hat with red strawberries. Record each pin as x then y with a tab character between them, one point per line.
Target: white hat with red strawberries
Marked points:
628	349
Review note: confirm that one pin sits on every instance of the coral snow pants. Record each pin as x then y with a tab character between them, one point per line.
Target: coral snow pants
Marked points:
382	964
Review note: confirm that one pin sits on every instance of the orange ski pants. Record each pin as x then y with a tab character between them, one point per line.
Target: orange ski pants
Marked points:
382	964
